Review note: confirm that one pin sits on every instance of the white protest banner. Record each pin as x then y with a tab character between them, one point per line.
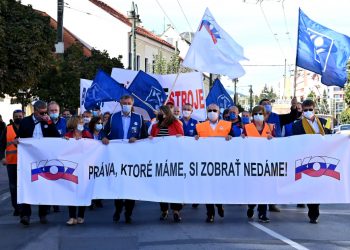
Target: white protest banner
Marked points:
299	169
188	88
105	106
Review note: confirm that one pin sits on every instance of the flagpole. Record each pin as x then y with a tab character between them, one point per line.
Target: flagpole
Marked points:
172	87
147	104
295	80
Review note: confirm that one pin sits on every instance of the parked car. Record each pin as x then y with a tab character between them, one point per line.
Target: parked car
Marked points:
342	129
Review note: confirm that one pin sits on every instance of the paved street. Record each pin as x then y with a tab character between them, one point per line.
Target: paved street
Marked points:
287	230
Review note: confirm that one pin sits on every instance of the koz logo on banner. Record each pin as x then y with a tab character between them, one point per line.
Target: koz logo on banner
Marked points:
54	170
316	166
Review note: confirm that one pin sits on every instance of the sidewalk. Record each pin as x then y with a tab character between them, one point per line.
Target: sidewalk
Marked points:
4	186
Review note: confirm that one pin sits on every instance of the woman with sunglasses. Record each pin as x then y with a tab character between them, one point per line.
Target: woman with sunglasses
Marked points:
258	128
167	125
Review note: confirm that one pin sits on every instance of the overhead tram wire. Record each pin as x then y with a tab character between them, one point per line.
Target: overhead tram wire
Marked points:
269	26
171	22
67	5
286	25
183	12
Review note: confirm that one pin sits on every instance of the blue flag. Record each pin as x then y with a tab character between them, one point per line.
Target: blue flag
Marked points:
149	90
219	96
323	51
103	89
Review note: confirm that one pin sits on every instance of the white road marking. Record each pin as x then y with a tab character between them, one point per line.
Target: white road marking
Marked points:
5	196
278	236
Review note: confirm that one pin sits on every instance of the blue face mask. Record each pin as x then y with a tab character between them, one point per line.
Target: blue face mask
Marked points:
94	113
54	116
233	116
98	127
245	120
268	108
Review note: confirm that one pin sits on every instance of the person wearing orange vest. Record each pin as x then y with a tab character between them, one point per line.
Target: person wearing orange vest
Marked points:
214	127
9	139
258	128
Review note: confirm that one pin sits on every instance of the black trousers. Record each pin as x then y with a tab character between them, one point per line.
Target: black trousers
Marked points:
26	210
262	208
73	211
314	211
211	209
12	175
128	204
174	206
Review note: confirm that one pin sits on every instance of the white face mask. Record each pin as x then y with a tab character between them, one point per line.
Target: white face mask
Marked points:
186	113
126	109
87	119
80	127
98	127
177	116
308	114
213	116
258	118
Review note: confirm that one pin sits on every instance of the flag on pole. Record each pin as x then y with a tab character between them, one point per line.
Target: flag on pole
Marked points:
323	51
148	93
213	50
219	96
103	89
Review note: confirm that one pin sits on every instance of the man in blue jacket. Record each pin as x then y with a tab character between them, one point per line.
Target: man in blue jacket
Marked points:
188	123
279	121
129	126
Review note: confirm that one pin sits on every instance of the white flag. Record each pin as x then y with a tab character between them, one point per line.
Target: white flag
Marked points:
214	51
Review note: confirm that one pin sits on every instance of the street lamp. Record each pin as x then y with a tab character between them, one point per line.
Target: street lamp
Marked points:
134	18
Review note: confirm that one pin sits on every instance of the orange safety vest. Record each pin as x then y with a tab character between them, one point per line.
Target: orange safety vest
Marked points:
11	149
223	129
252	131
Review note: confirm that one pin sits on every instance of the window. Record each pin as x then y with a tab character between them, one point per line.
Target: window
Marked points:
137	62
146	65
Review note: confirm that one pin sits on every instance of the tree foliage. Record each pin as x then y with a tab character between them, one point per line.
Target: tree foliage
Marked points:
267	93
30	68
26	44
162	67
61	82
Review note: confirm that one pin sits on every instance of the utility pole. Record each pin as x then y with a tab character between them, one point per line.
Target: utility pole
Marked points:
250	98
134	18
60	44
235	96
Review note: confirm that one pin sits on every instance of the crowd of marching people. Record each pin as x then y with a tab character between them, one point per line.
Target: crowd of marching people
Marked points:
48	121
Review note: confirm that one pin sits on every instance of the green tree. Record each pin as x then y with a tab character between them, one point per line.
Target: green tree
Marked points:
26	44
61	82
345	115
160	64
267	93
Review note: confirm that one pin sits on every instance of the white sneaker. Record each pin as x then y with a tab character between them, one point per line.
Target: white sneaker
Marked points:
80	220
71	222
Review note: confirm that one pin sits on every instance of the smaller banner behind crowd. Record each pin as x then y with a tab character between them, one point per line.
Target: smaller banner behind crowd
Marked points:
188	88
298	169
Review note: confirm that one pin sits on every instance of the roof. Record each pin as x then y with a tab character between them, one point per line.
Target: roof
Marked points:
68	37
139	30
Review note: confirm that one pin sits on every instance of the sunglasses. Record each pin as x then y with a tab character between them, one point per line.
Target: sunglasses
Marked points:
305	110
212	110
99	123
258	114
43	113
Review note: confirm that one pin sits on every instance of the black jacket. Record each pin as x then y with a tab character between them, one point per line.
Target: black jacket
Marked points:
26	128
298	128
